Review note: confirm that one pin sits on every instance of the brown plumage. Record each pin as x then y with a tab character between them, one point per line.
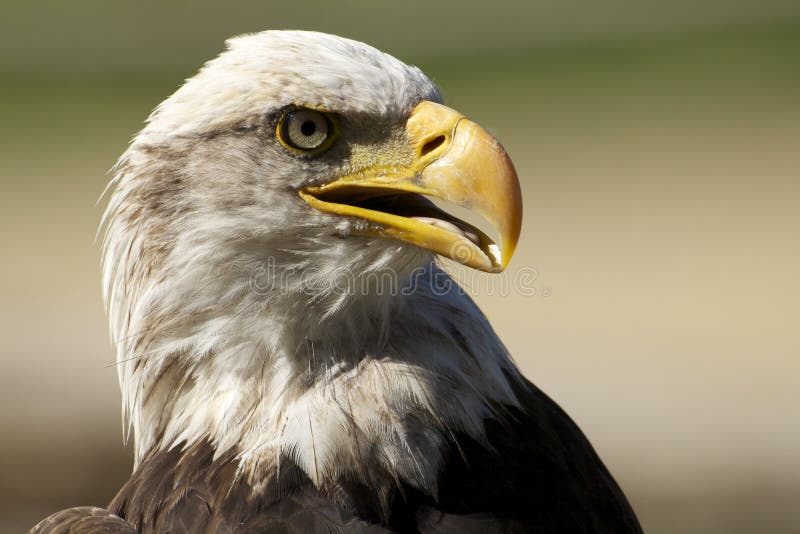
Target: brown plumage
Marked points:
537	473
83	520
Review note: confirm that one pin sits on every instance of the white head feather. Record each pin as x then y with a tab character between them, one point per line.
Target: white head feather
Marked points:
225	290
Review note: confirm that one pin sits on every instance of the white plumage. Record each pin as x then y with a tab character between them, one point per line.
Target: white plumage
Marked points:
242	352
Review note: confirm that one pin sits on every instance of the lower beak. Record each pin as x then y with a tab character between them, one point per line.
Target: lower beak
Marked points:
454	160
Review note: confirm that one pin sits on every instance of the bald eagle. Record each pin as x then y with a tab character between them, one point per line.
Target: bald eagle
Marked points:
289	358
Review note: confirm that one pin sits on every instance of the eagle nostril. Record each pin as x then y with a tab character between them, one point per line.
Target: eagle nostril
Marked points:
431	145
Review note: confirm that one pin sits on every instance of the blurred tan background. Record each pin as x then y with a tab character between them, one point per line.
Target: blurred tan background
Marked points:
659	148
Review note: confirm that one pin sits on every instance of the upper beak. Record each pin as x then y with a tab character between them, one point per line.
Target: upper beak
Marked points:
455	160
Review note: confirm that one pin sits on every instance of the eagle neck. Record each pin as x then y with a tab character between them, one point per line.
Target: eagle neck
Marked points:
379	386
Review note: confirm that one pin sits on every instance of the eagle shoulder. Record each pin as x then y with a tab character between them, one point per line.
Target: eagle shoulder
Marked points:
537	470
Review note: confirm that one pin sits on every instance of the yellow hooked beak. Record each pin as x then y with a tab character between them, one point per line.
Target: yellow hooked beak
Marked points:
454	160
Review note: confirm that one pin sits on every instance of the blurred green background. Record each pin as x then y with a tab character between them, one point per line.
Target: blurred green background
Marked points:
659	148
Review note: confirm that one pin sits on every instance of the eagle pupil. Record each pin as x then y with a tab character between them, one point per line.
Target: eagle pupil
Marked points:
308	128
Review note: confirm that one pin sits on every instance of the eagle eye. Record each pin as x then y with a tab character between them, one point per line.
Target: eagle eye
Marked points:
305	130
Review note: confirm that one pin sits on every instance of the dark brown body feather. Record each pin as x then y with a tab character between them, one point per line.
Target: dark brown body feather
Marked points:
83	520
539	474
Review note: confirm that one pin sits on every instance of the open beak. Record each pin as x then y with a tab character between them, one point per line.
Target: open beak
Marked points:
454	160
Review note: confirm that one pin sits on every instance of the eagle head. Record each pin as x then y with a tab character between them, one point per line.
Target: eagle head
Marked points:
272	229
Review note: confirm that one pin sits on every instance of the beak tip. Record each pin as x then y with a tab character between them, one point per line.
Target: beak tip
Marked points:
509	247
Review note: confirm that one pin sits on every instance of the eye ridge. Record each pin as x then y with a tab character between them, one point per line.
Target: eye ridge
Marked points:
306	131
